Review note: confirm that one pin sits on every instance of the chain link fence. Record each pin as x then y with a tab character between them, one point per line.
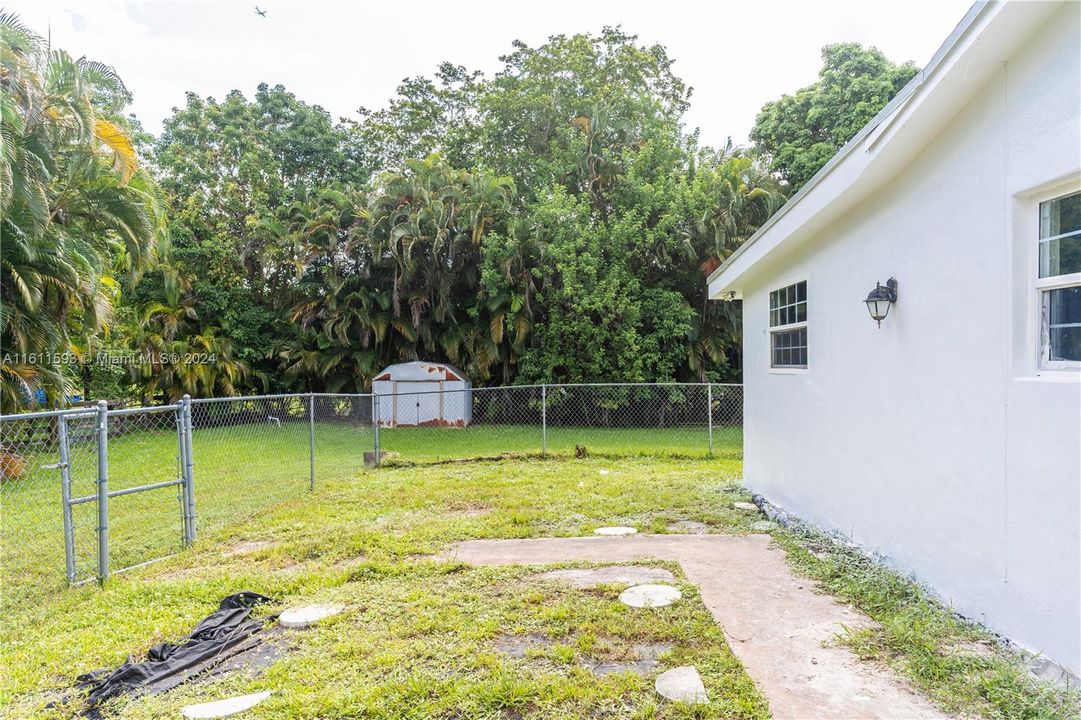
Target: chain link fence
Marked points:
604	419
91	491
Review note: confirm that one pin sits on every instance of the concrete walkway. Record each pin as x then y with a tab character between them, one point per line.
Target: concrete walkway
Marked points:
776	624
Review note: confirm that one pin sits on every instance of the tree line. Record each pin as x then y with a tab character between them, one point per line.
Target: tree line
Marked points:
554	222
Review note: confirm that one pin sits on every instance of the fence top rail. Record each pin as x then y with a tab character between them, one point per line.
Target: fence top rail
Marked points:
619	384
141	410
85	411
67	412
554	386
246	398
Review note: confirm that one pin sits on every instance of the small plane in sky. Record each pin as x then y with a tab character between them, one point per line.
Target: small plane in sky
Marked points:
260	13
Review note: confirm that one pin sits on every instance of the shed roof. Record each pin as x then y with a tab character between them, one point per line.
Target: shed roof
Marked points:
421	371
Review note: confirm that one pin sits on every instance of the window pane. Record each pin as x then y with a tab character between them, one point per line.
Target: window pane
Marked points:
789	348
1066	343
788	305
1061	256
1061	215
1064	323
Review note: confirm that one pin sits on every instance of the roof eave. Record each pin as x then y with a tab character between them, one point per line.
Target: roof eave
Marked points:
717	277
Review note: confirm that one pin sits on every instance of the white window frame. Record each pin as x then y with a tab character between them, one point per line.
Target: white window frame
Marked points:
771	330
1043	288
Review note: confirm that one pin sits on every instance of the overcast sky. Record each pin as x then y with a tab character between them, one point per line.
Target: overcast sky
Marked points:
342	55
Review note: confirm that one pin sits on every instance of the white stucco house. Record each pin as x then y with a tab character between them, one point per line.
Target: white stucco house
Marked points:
949	439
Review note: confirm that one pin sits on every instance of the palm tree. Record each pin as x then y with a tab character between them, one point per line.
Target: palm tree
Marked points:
743	195
394	274
74	207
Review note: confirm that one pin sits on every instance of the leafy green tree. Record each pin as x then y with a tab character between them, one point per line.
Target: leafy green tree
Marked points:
77	212
395	274
563	112
799	133
237	171
428	116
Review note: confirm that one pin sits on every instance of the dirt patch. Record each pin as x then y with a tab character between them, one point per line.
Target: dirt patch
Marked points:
688	527
272	645
644	658
349	563
638	658
247	547
467	509
289	568
516	646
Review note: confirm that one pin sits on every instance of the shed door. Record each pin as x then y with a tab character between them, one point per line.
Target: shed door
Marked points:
417	403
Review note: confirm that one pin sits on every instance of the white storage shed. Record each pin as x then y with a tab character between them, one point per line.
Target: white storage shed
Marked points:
423	394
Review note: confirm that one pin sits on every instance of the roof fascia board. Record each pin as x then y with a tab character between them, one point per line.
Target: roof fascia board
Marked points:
961	65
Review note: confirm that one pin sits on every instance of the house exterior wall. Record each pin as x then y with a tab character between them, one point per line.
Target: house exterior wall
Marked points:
935	440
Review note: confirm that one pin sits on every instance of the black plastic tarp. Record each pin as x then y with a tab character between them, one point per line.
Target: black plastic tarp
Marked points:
218	636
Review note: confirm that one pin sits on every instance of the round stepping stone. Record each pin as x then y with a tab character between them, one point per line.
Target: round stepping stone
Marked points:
763	525
307	615
745	506
682	684
649	596
617	530
224	708
612	575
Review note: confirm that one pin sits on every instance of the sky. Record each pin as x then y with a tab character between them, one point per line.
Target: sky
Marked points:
343	55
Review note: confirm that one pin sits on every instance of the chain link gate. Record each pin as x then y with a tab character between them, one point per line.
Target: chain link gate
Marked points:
90	491
141	502
105	490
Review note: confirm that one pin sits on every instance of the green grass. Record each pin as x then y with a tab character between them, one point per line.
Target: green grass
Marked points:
954	662
427	444
418	637
242	470
417	640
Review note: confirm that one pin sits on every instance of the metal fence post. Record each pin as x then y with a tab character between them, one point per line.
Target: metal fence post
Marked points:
189	472
375	424
182	450
709	415
311	442
103	492
65	486
544	419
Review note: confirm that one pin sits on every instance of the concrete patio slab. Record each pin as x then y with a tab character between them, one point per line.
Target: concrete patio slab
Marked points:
616	530
777	625
584	578
649	596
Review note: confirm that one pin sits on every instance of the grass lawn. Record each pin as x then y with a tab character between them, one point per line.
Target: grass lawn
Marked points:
421	639
245	469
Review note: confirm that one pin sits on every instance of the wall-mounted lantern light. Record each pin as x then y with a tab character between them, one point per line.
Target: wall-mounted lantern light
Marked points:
879	300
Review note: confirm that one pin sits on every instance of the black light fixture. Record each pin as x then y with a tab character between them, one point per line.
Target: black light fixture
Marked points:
879	300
